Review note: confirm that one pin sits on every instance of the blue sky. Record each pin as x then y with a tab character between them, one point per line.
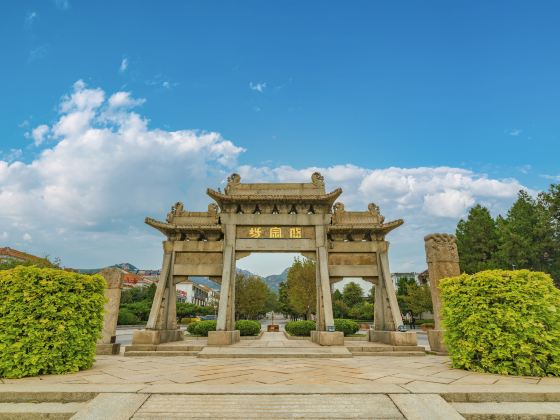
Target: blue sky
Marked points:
348	87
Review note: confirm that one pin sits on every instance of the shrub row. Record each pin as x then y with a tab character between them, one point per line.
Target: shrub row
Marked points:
504	322
304	328
50	320
246	327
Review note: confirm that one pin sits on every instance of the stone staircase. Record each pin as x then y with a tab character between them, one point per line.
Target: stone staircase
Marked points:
377	349
175	349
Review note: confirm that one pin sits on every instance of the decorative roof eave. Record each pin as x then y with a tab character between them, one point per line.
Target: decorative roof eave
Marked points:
328	198
169	228
383	228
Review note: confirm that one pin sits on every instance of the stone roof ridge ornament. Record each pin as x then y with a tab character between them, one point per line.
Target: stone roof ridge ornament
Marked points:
176	210
318	180
233	180
360	225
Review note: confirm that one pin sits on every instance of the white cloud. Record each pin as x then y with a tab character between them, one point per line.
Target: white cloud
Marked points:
27	237
124	65
38	53
4	235
515	132
84	198
258	87
38	134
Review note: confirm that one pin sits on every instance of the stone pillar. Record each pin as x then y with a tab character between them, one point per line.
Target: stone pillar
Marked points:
443	261
225	333
106	344
162	323
387	318
327	337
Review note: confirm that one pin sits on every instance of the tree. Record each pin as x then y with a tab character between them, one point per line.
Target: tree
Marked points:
352	294
549	203
523	235
301	288
477	241
251	293
403	283
418	299
363	310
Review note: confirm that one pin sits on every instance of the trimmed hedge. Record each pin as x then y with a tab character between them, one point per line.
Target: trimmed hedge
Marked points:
347	326
300	328
201	328
50	321
248	328
127	317
504	322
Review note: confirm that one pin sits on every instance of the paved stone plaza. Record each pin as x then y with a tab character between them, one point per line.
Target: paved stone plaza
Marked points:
423	387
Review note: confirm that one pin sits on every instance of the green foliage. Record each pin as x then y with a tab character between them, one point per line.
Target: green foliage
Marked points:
528	237
138	294
300	328
340	309
352	294
185	309
403	283
127	317
201	328
251	296
418	299
477	240
187	321
363	310
247	327
347	326
301	287
50	321
140	309
504	322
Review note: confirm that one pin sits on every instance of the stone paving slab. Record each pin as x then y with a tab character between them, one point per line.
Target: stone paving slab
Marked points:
270	406
51	410
510	410
111	406
425	406
211	352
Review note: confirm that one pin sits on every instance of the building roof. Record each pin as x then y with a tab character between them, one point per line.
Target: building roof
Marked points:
23	256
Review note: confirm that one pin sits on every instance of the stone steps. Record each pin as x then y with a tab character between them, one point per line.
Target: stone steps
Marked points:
212	352
389	353
39	410
161	353
508	410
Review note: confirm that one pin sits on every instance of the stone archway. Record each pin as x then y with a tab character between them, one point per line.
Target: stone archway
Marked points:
273	217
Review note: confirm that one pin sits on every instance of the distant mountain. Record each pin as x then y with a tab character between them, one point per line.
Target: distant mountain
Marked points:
274	280
123	266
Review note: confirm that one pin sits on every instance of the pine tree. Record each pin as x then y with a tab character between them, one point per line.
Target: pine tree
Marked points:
477	241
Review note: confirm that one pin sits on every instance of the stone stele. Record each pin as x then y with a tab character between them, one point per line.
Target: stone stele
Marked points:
114	279
443	261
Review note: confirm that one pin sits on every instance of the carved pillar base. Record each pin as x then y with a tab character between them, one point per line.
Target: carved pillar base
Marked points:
106	349
325	338
156	336
393	338
437	345
223	338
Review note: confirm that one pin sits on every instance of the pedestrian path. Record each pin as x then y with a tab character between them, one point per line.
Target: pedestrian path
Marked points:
274	345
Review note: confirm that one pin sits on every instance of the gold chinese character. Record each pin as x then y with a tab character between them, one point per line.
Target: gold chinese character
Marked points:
255	232
275	232
295	232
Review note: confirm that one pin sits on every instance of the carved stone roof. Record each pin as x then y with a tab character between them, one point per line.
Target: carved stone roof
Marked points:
311	192
360	224
193	224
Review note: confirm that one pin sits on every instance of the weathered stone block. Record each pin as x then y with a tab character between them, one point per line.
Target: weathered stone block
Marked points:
326	338
223	338
394	338
104	349
437	345
156	336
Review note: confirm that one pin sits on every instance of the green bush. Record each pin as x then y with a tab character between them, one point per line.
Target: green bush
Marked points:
201	328
140	309
188	321
347	326
362	311
50	320
127	317
505	322
300	328
247	327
